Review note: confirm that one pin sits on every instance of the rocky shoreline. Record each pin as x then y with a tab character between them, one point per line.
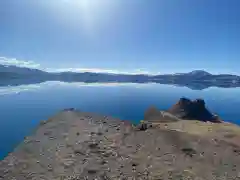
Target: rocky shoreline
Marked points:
78	145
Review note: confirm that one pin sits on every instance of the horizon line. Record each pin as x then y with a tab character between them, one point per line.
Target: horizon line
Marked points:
33	65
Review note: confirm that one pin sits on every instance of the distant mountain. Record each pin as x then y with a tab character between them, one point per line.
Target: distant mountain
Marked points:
198	79
14	75
196	76
198	73
19	70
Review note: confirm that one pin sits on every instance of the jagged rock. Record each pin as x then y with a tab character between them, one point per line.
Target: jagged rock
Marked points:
196	109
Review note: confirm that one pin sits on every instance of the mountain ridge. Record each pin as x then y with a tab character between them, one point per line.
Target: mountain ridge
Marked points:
26	69
197	79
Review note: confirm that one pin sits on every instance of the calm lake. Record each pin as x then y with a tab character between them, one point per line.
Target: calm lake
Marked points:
22	107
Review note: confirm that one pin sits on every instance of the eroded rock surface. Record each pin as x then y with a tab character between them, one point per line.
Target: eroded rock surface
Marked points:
196	109
153	114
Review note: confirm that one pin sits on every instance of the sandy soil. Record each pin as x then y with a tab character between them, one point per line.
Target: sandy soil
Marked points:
75	145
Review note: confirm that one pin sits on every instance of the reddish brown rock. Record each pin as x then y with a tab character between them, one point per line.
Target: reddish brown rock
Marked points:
196	109
154	115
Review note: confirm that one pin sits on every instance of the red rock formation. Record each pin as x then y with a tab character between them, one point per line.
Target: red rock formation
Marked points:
152	113
187	109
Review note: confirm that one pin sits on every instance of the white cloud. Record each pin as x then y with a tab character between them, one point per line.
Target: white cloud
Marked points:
16	62
97	70
31	64
82	70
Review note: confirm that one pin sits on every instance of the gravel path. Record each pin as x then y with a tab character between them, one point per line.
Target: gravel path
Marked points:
74	145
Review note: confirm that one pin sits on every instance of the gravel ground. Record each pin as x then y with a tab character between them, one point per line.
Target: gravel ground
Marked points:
74	145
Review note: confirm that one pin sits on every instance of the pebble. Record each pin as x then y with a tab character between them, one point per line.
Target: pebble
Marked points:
92	171
68	162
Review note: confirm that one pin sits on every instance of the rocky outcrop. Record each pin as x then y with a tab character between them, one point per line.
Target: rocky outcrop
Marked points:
76	145
193	110
153	114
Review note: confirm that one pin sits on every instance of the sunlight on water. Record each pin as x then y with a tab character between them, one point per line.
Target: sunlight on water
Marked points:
33	87
18	89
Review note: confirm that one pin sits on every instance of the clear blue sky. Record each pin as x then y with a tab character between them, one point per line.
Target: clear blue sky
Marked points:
125	35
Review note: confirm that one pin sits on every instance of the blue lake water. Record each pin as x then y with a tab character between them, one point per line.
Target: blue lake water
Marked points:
23	107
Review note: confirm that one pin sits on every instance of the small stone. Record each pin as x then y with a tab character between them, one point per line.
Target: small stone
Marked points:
49	167
134	164
107	153
69	145
104	176
93	145
237	151
92	171
103	162
99	133
68	162
52	137
78	152
47	133
189	151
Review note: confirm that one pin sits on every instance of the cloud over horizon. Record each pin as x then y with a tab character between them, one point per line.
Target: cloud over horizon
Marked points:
32	64
20	63
97	70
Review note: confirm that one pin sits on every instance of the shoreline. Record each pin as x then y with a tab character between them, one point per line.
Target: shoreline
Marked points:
78	145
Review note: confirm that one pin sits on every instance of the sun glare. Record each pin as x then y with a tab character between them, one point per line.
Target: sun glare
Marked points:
88	5
91	6
91	13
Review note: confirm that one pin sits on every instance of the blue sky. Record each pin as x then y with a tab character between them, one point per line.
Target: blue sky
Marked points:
152	36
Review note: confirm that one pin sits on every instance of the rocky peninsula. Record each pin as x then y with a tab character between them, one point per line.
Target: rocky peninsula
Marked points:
185	142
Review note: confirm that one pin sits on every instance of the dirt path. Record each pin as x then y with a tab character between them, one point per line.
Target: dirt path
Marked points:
74	145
